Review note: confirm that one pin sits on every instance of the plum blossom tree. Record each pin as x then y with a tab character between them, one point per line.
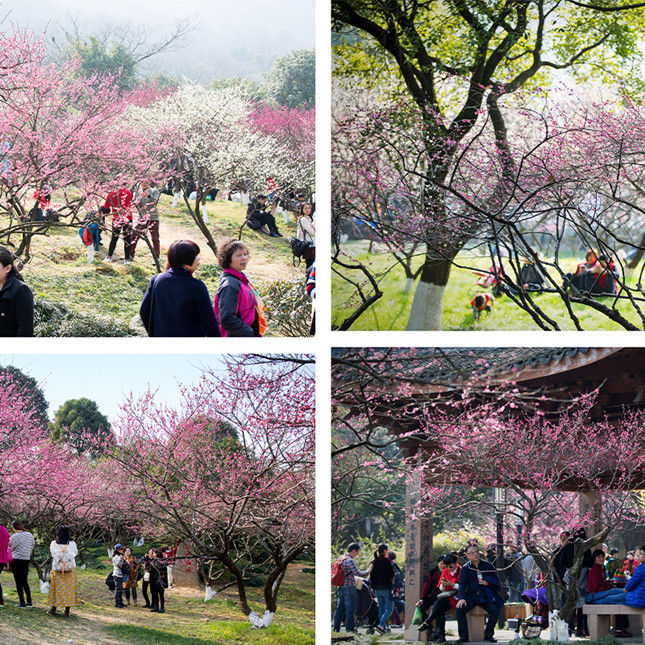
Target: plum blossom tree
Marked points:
64	137
572	176
227	141
46	484
546	449
457	61
245	505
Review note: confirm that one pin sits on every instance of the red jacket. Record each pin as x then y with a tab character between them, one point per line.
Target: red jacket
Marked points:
430	587
597	580
451	578
120	205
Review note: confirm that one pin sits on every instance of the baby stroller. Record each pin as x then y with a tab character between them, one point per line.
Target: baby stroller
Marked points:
366	608
532	626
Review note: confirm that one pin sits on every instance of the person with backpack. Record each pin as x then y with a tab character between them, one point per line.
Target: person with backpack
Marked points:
16	299
343	576
176	303
131	581
238	307
120	570
22	545
63	587
90	234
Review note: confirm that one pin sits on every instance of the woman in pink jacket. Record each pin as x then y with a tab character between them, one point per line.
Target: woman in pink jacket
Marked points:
5	554
238	307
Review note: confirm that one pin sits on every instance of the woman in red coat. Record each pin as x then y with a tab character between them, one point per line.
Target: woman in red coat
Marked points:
447	587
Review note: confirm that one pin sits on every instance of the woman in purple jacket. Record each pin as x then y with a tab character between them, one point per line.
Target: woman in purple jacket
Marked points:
236	303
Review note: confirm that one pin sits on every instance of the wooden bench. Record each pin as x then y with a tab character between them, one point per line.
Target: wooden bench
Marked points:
476	619
598	618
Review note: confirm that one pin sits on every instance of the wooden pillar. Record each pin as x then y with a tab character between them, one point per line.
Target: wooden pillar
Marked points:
418	549
590	504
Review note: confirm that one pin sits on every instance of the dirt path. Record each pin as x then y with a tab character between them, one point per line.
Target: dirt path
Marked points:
261	267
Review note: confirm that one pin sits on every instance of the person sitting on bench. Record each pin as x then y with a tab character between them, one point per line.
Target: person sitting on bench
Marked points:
635	586
601	592
478	586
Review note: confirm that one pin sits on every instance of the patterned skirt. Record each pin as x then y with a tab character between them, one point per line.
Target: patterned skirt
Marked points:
63	589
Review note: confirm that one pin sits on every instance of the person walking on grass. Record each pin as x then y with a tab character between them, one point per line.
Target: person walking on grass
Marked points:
5	555
22	545
131	582
63	588
16	299
238	306
117	573
176	303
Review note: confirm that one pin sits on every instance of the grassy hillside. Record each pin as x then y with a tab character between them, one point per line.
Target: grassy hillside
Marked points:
104	299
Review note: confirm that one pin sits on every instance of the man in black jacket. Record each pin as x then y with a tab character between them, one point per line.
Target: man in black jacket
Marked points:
257	216
478	585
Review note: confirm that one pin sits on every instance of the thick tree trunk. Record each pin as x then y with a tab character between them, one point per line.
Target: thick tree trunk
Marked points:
428	296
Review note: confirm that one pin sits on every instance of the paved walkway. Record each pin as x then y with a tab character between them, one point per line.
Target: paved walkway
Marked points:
397	636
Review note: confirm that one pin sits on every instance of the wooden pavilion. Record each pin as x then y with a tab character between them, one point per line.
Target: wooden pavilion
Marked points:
617	375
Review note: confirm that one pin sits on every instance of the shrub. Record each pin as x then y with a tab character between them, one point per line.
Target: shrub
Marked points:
288	307
57	320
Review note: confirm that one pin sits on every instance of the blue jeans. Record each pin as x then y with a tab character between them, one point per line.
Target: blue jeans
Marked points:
385	606
610	597
346	608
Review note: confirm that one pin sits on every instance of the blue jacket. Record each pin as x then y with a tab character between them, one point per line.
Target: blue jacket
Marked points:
635	588
176	304
472	592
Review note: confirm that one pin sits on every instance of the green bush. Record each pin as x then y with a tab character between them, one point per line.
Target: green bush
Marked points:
454	540
288	307
57	320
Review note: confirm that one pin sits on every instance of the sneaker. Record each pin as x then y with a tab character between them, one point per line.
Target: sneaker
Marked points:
490	639
380	630
29	606
162	611
22	605
127	261
107	259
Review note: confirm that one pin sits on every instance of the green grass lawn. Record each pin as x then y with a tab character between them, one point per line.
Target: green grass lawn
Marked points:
392	310
188	619
59	274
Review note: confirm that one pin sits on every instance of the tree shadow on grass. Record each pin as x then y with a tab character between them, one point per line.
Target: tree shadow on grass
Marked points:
156	636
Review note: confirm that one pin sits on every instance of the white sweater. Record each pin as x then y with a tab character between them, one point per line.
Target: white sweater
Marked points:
63	555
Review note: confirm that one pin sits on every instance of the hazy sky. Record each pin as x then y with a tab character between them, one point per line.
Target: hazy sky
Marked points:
228	33
108	379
